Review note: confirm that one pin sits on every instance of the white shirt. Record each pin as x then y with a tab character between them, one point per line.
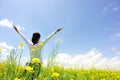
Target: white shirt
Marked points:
35	50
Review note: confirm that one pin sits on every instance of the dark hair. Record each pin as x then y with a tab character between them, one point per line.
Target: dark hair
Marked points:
35	38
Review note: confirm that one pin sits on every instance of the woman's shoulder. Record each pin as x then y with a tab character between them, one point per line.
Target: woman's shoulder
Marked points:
40	44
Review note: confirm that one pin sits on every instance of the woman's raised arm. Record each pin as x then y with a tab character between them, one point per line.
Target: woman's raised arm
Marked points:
52	34
24	38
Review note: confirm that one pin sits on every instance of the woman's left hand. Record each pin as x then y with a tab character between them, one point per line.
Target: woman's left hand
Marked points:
15	28
59	29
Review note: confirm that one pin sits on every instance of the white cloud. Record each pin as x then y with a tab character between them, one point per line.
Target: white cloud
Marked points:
5	45
118	53
5	50
93	58
112	6
4	54
113	48
115	9
117	35
6	23
109	6
116	50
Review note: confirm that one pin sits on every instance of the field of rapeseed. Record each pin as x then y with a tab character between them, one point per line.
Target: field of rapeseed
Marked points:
11	69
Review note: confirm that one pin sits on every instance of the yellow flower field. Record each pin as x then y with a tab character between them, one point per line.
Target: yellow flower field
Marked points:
14	72
11	69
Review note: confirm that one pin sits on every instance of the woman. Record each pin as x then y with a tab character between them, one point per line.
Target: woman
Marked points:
35	47
35	42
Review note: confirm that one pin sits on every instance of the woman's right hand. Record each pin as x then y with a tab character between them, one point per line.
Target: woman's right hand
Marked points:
59	29
15	28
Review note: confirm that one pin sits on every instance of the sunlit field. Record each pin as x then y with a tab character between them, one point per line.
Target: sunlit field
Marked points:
60	40
12	69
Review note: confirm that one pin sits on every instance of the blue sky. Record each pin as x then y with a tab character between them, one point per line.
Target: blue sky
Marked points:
88	24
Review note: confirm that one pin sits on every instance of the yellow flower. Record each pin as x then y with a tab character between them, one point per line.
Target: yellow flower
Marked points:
92	77
29	69
21	44
0	74
20	67
45	79
11	63
16	79
55	74
52	70
35	60
67	70
41	44
0	49
103	79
